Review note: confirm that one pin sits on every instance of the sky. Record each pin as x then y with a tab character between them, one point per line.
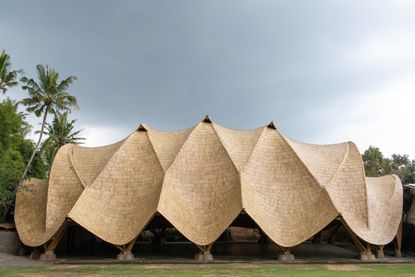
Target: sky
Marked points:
323	71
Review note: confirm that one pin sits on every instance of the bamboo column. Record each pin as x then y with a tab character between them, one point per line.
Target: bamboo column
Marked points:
125	251
204	252
50	246
285	254
365	252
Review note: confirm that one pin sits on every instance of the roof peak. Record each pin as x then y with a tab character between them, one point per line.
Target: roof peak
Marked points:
207	119
271	125
142	128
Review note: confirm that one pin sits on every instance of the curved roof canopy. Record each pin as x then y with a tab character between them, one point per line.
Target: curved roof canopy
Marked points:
201	178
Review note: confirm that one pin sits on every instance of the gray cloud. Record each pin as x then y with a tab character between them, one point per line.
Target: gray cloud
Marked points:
245	63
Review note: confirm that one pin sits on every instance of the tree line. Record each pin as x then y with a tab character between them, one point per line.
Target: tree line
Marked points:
377	165
47	97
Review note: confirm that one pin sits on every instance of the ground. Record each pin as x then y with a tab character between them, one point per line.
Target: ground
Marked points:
235	259
210	270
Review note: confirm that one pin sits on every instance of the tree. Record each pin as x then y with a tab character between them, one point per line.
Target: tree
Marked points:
15	151
402	166
59	133
7	77
374	162
377	165
48	96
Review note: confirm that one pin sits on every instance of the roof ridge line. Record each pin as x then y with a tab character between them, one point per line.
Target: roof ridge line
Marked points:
286	140
397	183
74	167
322	188
341	163
191	129
226	150
362	167
335	174
346	155
256	144
154	150
121	142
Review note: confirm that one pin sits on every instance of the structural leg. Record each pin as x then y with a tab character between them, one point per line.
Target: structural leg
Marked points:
35	253
50	247
285	254
204	253
379	252
365	252
125	251
397	242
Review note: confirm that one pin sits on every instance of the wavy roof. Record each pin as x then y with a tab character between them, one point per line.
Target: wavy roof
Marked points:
201	178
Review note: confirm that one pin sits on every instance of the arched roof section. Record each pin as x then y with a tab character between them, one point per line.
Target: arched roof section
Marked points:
280	194
124	196
201	191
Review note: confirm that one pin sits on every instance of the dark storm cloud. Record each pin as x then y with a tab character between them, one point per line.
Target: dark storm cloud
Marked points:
168	63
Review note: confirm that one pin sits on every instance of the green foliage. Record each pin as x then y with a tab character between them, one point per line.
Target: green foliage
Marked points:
59	133
8	78
48	94
11	167
402	166
15	150
12	124
374	162
377	165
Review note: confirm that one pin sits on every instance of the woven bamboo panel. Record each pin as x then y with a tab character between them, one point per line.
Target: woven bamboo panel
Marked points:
167	144
385	200
88	162
239	144
30	213
347	190
281	195
371	207
201	178
323	161
64	188
201	190
125	195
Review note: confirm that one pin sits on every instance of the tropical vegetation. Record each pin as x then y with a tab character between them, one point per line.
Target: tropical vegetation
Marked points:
8	77
20	157
377	165
47	96
59	132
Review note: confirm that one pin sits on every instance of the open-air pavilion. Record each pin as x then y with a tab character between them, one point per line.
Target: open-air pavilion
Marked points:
202	180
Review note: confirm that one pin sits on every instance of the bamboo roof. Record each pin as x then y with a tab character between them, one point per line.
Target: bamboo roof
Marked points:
201	178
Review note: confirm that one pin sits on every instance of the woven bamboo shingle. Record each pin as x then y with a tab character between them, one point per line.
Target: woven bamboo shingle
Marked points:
201	178
89	162
125	195
64	188
201	189
30	213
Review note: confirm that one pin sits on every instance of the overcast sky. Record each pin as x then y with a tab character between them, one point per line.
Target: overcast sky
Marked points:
323	71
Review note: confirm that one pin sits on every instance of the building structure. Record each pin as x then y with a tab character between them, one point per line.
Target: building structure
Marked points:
200	179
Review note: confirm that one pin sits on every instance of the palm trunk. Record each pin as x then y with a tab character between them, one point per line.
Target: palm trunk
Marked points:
29	162
35	150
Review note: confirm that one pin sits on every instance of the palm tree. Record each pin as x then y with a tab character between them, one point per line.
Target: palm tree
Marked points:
7	77
47	96
59	133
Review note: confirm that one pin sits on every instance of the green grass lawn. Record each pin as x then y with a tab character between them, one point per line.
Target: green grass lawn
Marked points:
210	270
